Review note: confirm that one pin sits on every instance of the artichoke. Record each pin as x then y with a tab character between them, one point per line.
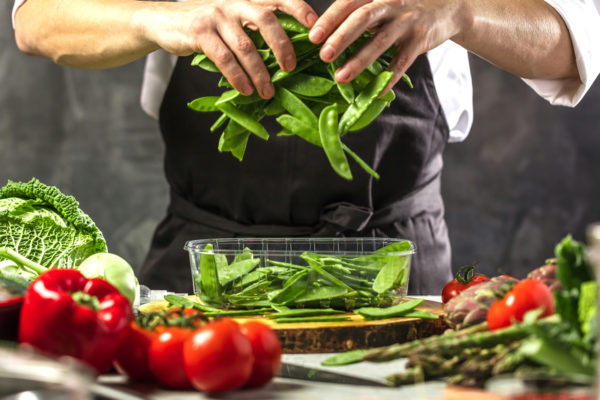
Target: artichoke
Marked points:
547	274
471	305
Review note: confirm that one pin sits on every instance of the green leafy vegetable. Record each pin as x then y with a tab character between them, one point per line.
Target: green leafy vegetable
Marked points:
301	95
43	228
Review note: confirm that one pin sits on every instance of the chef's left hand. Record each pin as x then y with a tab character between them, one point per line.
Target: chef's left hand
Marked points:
413	26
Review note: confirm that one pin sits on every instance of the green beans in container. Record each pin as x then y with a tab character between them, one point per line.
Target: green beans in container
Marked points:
286	273
308	103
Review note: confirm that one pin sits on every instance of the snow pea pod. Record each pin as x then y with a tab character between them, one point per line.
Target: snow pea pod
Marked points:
330	140
244	119
394	311
227	96
202	61
219	122
210	288
292	104
236	270
291	24
373	111
360	162
364	100
304	312
308	85
299	128
339	318
206	103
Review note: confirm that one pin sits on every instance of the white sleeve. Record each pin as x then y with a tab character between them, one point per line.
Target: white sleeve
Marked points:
14	11
582	18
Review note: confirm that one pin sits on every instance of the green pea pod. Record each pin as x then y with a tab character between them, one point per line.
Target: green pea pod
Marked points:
375	68
300	37
300	128
264	53
227	96
330	140
391	274
219	122
321	293
296	286
372	112
339	318
345	89
364	100
236	270
291	24
206	103
202	61
273	107
210	290
360	162
389	312
253	98
406	79
234	139
345	358
223	82
281	74
304	312
292	104
308	85
244	119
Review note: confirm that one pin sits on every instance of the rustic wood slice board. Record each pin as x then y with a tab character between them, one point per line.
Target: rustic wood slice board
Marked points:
331	337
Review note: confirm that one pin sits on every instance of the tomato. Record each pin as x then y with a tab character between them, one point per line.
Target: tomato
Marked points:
218	357
452	289
132	355
266	350
166	357
465	277
526	295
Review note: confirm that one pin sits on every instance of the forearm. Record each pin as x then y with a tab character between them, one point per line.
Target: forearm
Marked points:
83	33
525	37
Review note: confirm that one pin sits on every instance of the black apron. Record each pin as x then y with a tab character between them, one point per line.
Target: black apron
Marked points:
285	187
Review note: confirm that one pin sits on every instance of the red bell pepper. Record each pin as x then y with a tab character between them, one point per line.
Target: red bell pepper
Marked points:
65	313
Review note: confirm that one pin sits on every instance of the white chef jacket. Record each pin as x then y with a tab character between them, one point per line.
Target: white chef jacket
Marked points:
450	68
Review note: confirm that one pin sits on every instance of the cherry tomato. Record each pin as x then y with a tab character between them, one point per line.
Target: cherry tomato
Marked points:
452	289
465	277
526	295
132	356
218	357
166	357
478	278
266	350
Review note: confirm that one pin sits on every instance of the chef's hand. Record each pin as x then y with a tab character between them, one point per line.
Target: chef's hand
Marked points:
216	28
413	26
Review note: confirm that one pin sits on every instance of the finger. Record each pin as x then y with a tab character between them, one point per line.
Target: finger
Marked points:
244	50
366	55
405	55
332	18
300	10
274	36
221	55
355	25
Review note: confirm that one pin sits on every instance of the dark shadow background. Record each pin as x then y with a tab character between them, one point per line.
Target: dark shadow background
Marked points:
527	175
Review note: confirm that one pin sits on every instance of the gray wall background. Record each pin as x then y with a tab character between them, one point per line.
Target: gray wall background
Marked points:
527	175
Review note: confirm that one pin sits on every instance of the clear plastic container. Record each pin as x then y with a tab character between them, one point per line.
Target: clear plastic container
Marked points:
341	273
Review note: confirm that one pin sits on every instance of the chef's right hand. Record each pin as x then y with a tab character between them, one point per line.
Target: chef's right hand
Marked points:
216	28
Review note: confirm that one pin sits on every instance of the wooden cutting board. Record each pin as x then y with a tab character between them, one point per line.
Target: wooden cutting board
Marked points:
331	337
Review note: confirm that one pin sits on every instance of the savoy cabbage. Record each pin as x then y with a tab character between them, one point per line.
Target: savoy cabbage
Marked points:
44	225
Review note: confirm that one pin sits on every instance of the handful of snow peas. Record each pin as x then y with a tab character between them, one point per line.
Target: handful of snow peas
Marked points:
308	102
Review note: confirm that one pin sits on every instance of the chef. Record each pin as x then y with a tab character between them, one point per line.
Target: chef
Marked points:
285	187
